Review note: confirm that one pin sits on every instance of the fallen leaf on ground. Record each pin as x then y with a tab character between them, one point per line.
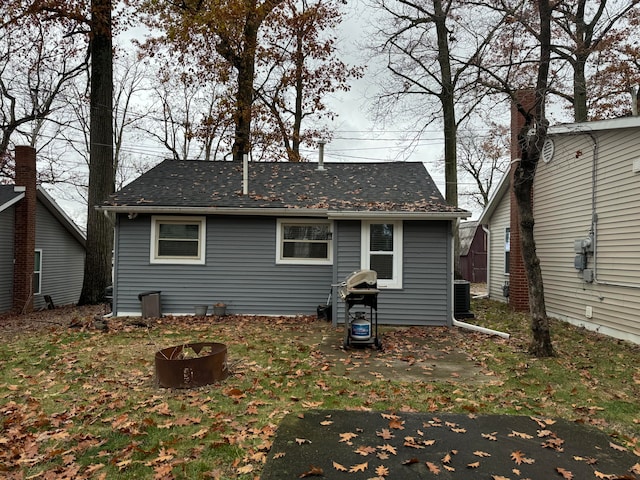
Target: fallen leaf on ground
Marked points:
312	472
382	471
520	458
566	474
361	467
433	468
340	468
347	436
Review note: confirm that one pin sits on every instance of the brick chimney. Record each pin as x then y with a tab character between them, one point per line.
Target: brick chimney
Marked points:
518	284
25	230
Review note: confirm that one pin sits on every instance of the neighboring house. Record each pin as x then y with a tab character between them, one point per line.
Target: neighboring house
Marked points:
274	242
496	216
41	250
586	200
473	252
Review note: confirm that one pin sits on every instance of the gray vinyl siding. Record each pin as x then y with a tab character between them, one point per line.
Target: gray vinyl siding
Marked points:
6	258
62	261
240	270
499	221
425	296
564	195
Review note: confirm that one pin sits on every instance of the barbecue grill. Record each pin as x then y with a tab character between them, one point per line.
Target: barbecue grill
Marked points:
359	291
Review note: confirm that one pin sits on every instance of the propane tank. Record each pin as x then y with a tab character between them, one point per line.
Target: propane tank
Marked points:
360	327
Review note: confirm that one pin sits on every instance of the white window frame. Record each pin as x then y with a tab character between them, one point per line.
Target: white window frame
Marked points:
37	291
156	220
396	281
280	259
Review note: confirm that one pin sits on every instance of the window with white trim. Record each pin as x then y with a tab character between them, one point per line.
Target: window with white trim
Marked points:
37	272
382	251
304	242
179	240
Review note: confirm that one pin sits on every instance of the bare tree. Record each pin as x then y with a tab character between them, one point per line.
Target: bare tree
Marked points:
484	157
41	53
297	68
582	29
613	88
188	116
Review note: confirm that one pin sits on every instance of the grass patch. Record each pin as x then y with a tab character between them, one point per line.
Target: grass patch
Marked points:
83	403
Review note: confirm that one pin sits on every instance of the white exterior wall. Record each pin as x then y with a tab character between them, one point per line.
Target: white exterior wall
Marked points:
568	192
499	221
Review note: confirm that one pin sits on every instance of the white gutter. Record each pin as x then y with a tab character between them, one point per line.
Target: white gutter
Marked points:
311	212
359	214
281	211
476	328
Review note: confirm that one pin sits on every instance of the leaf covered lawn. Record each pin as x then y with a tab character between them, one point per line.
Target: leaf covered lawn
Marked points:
82	402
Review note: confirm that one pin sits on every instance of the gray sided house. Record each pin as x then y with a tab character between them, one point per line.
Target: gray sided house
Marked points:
271	238
586	201
42	251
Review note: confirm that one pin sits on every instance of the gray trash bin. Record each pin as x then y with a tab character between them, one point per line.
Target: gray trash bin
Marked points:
150	304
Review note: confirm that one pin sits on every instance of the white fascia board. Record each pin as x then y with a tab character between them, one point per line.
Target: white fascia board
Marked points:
13	201
357	215
287	212
597	125
281	212
503	187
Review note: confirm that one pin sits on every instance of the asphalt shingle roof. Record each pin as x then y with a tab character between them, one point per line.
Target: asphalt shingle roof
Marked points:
397	186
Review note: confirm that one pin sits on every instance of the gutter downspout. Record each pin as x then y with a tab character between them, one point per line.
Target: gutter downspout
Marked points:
476	328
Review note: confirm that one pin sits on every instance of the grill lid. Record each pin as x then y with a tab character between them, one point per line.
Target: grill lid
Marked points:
361	279
360	282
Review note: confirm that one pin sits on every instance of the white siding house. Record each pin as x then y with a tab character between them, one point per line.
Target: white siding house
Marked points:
586	201
497	215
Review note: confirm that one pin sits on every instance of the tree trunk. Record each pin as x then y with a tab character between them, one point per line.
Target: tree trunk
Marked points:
97	271
581	111
246	72
447	101
294	155
531	138
523	183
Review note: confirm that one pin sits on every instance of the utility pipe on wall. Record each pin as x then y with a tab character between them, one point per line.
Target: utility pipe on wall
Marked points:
477	328
245	174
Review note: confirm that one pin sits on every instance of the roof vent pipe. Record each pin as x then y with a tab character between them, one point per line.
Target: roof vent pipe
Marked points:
245	174
321	145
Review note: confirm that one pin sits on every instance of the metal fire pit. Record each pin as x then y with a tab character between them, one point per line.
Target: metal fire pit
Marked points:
191	365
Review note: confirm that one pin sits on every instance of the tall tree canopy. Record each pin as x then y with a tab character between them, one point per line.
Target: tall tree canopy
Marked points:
279	55
42	51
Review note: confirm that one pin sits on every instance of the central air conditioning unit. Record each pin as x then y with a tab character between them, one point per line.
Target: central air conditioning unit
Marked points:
462	299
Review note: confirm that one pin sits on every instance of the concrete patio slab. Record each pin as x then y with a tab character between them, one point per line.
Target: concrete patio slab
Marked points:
360	445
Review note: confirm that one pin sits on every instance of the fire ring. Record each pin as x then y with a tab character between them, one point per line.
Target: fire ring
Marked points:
191	365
